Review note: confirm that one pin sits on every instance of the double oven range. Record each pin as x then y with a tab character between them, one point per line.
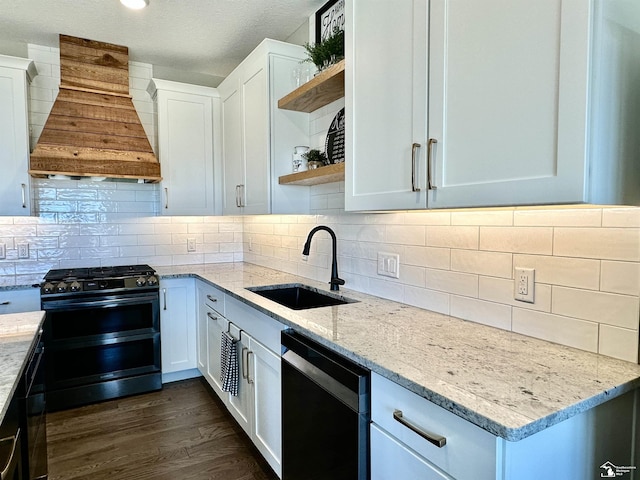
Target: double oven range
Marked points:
101	332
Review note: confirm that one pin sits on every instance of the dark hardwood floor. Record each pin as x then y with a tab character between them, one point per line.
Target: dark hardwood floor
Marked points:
182	432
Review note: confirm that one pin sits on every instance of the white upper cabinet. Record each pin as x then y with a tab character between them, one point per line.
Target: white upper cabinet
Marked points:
186	146
523	104
257	137
15	75
385	104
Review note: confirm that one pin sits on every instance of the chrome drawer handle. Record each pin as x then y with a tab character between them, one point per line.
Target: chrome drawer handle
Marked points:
166	198
211	316
432	438
244	362
212	298
164	296
249	379
24	195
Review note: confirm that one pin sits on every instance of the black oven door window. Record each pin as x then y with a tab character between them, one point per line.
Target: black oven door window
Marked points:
102	318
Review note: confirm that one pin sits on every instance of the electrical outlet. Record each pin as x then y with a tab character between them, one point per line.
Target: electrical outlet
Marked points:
524	284
389	264
191	244
23	250
3	251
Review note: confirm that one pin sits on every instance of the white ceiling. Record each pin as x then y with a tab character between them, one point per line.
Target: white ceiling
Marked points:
209	37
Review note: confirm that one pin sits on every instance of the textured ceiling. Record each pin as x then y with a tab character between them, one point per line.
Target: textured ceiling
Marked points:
206	36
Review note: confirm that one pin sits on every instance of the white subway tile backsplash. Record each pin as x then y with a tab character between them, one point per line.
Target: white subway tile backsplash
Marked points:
406	235
453	237
536	240
608	308
501	290
621	217
603	243
620	277
479	311
619	343
482	217
566	271
427	299
575	217
452	282
430	257
555	328
483	263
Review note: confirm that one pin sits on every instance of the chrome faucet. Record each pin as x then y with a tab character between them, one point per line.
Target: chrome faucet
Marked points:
335	280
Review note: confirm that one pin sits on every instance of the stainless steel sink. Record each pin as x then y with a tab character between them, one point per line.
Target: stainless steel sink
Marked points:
298	296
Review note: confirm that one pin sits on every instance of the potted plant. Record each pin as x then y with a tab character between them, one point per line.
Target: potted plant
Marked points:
327	52
315	158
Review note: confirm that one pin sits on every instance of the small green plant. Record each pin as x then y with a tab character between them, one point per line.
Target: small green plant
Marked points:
327	52
315	158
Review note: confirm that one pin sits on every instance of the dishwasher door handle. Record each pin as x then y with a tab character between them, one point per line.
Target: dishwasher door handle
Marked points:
326	381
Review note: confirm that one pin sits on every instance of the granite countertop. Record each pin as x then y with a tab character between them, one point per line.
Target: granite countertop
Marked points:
506	383
17	335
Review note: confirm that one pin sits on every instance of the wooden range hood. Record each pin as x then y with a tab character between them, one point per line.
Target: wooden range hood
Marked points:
93	129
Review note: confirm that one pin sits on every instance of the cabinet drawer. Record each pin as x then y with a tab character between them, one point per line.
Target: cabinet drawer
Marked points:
469	452
260	326
213	298
391	459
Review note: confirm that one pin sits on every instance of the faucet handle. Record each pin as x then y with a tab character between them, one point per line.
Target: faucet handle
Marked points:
335	282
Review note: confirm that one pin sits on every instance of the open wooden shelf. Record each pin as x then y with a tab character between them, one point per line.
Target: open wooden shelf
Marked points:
321	90
326	174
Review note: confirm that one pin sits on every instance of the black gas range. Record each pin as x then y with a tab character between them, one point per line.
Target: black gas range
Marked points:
101	333
105	280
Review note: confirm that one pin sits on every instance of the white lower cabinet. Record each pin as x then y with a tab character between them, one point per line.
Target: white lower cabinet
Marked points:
572	450
257	406
177	329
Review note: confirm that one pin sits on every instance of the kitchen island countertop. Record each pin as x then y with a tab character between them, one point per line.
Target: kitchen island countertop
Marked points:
17	336
506	383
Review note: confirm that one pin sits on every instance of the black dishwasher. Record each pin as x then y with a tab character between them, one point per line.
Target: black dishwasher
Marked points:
325	413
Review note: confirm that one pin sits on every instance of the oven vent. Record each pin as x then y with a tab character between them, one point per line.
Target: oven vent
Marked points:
93	129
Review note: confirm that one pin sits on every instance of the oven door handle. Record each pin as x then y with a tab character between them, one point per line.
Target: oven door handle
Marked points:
106	303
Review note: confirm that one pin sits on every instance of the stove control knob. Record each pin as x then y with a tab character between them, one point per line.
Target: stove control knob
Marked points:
152	281
75	287
48	287
141	281
61	287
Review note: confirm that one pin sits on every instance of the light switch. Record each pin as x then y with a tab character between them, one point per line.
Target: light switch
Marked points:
191	244
389	264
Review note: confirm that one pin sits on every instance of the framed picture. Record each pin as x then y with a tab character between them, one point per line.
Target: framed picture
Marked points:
331	15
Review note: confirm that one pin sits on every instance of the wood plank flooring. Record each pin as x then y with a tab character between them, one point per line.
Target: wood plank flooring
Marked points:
182	432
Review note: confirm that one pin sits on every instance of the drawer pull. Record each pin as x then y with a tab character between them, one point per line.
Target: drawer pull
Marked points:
433	438
213	299
6	302
211	316
414	147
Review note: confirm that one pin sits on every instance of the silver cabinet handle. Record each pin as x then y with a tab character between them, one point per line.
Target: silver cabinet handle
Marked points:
24	195
164	296
437	440
213	299
166	198
244	362
212	316
249	379
241	195
414	147
9	468
431	164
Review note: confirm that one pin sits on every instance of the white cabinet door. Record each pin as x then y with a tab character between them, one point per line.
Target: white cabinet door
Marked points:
14	137
232	152
390	459
264	366
177	325
255	194
257	138
185	141
386	104
507	101
216	324
241	405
